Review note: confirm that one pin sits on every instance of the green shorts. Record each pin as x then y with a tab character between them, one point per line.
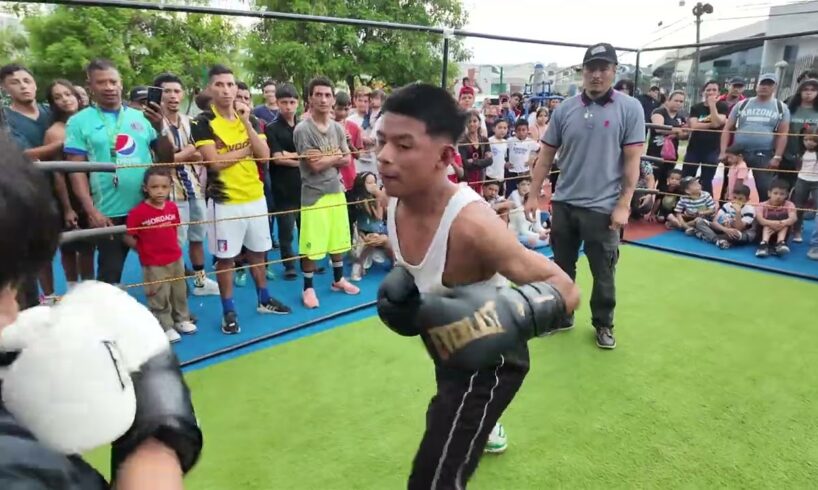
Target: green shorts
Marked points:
324	227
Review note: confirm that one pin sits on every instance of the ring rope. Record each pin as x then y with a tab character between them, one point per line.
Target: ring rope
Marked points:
360	152
365	242
299	210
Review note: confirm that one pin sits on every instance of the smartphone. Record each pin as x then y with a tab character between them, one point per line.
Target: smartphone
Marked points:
154	95
494	101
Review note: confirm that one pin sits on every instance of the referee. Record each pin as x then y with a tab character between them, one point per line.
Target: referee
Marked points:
599	134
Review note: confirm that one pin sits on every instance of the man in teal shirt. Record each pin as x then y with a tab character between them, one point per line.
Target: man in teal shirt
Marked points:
110	132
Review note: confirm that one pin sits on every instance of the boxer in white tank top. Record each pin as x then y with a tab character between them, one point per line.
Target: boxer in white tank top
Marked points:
428	273
447	236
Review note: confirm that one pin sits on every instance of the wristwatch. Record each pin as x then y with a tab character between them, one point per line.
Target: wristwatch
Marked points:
777	157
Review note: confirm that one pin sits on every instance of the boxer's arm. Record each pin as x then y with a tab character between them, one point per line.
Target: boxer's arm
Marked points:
153	465
498	251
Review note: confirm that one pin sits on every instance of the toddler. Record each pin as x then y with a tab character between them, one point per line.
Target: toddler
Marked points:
160	254
737	169
531	234
733	223
807	182
775	216
662	208
695	204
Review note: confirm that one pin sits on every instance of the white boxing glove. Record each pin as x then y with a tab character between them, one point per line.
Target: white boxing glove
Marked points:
71	382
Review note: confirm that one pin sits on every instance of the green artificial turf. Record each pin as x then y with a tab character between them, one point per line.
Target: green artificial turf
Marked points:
712	386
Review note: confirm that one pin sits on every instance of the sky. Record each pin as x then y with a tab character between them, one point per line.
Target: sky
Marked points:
627	23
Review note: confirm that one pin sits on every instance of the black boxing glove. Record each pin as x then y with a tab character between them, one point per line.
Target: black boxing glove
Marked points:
398	302
164	411
470	326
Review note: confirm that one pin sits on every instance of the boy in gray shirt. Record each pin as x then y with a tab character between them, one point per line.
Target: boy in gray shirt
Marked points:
322	148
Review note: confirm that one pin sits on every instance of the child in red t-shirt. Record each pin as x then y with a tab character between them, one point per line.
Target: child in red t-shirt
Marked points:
354	139
455	171
152	227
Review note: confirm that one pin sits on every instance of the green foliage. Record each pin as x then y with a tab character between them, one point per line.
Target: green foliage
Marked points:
142	44
297	51
13	45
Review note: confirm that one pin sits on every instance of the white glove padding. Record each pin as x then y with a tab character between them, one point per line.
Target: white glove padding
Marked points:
71	383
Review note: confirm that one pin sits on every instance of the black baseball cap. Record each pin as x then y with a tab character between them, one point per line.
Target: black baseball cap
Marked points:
601	51
139	94
687	181
737	81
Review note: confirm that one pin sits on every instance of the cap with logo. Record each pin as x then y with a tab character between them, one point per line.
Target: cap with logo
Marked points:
602	52
138	94
772	77
737	81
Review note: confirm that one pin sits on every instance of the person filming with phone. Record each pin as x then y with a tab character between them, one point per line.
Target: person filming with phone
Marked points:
112	132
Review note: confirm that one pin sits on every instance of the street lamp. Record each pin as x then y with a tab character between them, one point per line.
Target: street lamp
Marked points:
699	10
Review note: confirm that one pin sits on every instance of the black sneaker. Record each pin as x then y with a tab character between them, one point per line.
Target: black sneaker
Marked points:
290	274
230	323
273	306
605	338
763	250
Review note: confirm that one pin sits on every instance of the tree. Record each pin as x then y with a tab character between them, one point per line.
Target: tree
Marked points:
13	45
297	51
142	44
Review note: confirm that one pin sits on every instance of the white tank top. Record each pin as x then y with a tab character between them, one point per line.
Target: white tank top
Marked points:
428	273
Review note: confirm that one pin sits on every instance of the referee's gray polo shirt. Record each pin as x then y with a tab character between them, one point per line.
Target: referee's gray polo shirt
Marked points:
590	136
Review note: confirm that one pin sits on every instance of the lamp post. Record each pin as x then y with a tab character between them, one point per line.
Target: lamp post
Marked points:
699	10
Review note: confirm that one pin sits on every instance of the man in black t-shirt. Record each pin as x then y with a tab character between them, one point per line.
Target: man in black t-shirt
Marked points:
285	176
706	119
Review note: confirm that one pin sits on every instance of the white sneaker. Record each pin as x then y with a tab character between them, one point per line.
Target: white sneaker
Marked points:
186	327
368	262
357	272
379	256
49	300
173	335
209	287
498	442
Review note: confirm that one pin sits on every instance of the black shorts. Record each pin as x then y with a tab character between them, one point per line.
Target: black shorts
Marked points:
459	420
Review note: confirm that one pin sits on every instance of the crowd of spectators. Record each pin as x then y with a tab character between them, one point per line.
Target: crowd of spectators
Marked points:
259	161
774	139
313	166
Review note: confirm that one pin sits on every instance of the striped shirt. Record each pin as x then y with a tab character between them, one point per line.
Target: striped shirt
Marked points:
691	206
727	215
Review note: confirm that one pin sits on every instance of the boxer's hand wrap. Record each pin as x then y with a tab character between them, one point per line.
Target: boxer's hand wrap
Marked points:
471	326
163	411
398	302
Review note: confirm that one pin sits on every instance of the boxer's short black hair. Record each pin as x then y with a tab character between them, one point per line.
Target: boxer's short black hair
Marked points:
431	105
29	221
